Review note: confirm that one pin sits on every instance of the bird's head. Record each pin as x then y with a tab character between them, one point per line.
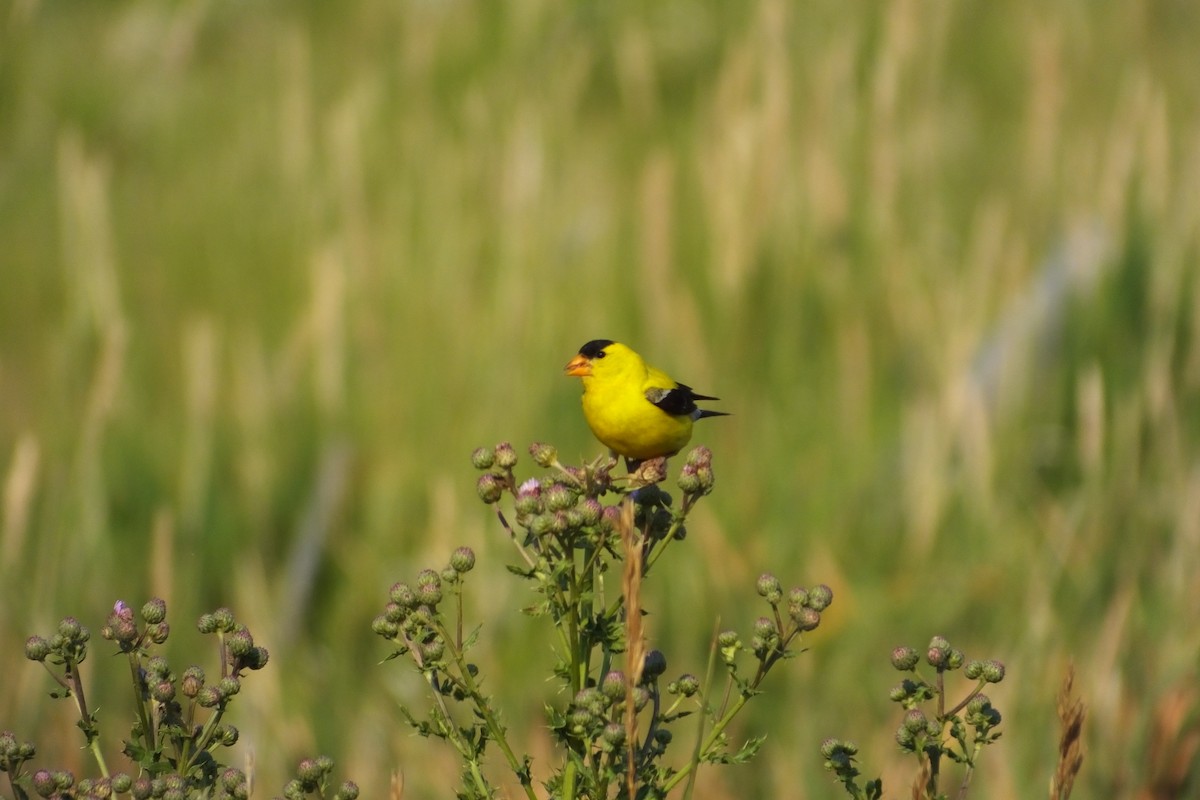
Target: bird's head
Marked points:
604	359
581	366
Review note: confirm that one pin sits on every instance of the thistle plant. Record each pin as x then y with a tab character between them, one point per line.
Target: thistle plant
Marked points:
933	729
585	541
180	722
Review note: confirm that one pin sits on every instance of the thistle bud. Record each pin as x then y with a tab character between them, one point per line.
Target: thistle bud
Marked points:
462	560
654	665
768	586
905	658
820	597
544	455
489	488
482	458
154	611
37	648
613	685
993	671
506	456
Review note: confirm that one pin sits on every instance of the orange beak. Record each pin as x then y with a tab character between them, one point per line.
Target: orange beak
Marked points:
580	366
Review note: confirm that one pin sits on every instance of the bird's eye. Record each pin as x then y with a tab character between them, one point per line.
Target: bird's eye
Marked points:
601	354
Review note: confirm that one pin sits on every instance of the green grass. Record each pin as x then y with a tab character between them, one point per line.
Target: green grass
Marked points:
271	268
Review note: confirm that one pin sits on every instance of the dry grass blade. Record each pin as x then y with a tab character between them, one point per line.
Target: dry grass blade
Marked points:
920	785
1174	745
1071	713
397	788
635	645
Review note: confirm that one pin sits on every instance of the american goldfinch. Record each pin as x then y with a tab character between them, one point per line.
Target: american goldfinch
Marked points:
637	411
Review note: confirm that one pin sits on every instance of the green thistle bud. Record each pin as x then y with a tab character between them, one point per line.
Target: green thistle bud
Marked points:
293	790
590	511
429	594
209	697
915	720
402	594
232	778
482	458
937	656
239	643
654	665
820	597
157	667
806	619
230	686
489	487
579	720
613	685
506	456
899	692
544	455
640	697
973	669
257	659
462	560
37	648
939	642
764	627
382	626
224	619
663	737
689	481
688	684
158	632
707	479
558	498
542	525
434	649
829	747
993	671
768	586
347	791
309	771
592	699
142	788
978	703
954	658
163	692
44	783
71	631
905	658
121	783
207	623
154	611
699	457
798	597
193	681
613	734
727	639
906	739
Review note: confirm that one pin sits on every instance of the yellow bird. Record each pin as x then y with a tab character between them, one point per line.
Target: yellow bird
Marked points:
637	411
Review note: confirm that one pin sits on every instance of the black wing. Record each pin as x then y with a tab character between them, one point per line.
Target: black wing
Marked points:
680	401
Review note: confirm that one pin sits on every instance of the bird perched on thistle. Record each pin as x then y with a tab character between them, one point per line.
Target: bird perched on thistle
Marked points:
637	411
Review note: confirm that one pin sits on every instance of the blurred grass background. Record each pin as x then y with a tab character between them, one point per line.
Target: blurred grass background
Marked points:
269	271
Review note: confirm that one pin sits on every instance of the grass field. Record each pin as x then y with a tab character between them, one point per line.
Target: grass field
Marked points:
270	271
